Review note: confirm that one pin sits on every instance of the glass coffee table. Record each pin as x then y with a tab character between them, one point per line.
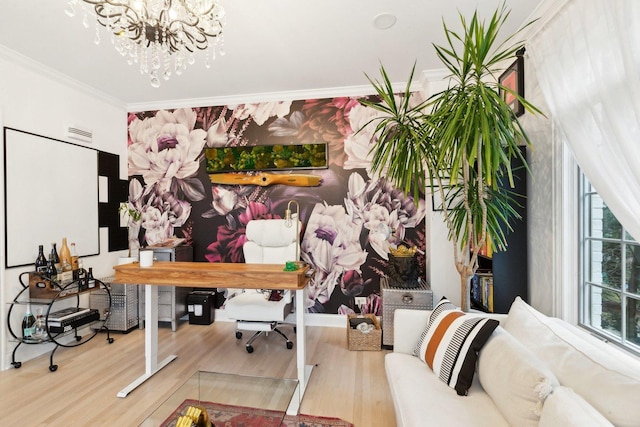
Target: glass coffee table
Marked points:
268	396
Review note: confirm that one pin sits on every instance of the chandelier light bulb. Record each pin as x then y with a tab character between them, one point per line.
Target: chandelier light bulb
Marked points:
157	31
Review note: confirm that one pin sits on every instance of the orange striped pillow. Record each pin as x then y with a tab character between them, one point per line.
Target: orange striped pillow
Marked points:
450	344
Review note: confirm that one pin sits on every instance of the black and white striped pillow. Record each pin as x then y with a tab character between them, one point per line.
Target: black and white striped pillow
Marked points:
450	344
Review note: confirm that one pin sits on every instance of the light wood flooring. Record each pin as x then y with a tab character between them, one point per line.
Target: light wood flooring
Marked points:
347	384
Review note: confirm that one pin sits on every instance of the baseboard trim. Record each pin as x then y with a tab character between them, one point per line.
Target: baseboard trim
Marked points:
311	319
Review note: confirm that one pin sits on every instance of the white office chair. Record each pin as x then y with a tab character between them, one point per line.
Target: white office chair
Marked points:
270	241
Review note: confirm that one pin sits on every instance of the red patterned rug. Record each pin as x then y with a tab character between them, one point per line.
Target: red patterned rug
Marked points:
240	416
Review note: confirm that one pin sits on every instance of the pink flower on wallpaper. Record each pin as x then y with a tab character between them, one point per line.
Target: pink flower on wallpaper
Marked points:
228	245
328	120
130	118
229	241
165	147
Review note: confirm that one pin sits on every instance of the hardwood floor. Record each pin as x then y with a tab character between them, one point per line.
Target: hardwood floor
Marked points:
347	384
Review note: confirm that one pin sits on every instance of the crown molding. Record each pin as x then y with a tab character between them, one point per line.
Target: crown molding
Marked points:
319	93
543	13
48	72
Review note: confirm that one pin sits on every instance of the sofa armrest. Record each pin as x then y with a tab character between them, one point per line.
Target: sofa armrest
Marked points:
407	328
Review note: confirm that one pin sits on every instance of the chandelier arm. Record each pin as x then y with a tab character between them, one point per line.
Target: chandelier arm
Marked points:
150	33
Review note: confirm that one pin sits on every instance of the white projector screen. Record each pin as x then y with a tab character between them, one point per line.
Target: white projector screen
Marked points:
51	192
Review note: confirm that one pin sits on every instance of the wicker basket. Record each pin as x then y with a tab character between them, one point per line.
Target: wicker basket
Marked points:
358	340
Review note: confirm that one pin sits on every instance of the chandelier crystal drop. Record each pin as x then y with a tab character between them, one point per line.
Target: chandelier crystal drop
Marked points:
151	33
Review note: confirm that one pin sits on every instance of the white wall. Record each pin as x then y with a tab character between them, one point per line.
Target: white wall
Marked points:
542	188
39	100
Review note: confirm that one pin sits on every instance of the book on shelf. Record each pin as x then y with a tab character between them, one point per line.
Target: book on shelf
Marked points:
482	291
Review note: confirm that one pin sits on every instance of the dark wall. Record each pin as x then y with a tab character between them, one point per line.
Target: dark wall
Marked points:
342	217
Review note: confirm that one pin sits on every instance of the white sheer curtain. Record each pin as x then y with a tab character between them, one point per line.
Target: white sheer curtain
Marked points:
587	61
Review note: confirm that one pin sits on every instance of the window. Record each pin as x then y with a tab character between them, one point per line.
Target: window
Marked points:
610	291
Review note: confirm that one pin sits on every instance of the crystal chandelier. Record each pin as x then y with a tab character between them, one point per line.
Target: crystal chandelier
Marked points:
152	32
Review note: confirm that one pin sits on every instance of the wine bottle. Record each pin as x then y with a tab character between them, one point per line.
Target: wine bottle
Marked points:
91	282
51	272
28	323
41	261
65	256
54	255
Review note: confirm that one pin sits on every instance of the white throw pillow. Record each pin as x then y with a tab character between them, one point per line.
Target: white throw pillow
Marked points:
565	408
604	376
515	379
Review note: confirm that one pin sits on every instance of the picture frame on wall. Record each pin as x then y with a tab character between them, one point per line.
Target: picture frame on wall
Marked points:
513	79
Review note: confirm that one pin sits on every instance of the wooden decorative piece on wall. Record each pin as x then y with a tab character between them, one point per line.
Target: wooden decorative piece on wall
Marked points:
266	157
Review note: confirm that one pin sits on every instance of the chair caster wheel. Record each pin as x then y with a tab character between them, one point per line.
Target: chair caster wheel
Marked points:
53	368
238	335
249	349
289	345
110	340
17	365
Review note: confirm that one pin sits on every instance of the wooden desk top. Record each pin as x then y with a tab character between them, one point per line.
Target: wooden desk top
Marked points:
212	275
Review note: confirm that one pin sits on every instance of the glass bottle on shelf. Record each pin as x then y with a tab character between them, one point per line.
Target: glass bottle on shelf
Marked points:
40	327
56	259
41	261
65	256
91	283
28	323
74	257
51	272
81	274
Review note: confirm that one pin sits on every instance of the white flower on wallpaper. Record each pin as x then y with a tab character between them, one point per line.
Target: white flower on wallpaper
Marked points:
165	150
217	135
379	207
165	147
357	145
261	112
349	221
331	244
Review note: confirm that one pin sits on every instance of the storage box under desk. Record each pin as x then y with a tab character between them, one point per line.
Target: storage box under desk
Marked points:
420	298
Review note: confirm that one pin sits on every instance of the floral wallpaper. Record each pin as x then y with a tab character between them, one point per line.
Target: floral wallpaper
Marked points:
344	219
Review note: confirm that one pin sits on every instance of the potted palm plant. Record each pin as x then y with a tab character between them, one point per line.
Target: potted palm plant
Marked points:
460	142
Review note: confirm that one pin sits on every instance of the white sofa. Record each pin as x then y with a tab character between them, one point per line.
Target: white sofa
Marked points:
534	370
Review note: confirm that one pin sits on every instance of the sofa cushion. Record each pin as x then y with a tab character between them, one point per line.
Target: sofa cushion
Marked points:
604	376
565	408
516	380
450	344
421	399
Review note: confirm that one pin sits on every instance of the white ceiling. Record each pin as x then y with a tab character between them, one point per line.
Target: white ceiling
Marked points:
272	46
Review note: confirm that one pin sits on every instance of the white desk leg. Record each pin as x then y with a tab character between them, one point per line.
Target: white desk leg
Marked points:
304	370
150	341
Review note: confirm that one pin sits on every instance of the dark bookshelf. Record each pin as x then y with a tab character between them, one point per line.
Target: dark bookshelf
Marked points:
509	268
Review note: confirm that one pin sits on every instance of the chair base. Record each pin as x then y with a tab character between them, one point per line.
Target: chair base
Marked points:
260	329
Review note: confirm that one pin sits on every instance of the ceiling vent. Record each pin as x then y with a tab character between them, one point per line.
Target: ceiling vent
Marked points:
77	133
